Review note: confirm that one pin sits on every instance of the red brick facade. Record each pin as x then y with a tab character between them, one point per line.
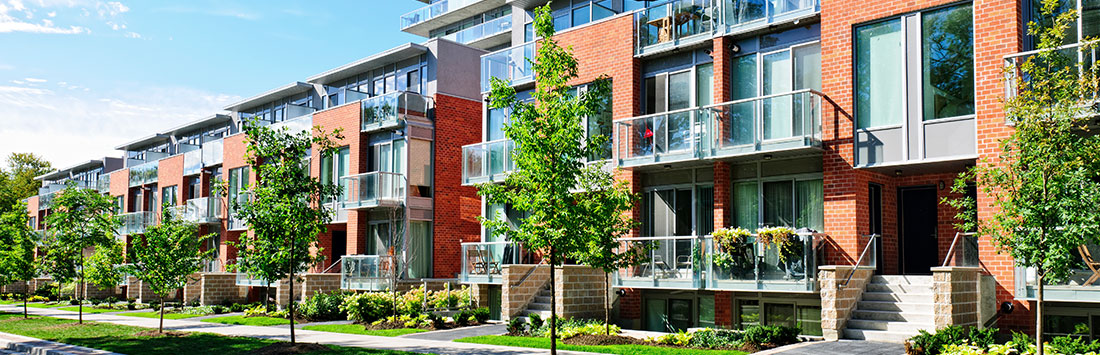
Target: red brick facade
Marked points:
457	123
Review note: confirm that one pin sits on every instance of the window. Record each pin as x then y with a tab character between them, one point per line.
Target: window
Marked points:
946	64
168	195
773	72
748	312
238	182
786	193
193	189
1087	25
573	13
334	167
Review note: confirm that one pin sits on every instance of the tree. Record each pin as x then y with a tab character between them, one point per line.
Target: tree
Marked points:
551	149
101	268
17	182
167	255
285	213
17	243
82	219
1045	184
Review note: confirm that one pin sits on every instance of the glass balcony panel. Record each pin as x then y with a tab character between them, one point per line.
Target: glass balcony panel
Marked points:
487	161
373	189
509	65
192	162
212	152
743	15
390	110
750	265
484	262
103	183
433	10
788	121
663	137
142	174
671	262
367	272
1074	54
674	23
964	251
492	27
136	222
200	210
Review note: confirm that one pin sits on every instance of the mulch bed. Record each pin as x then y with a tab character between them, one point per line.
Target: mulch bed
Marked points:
289	349
155	334
585	339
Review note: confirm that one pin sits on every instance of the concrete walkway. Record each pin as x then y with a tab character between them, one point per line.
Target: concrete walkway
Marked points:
459	333
842	347
305	336
18	344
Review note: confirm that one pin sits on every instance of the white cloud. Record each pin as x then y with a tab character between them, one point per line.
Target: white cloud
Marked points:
52	14
69	126
61	16
17	5
18	82
35	80
133	35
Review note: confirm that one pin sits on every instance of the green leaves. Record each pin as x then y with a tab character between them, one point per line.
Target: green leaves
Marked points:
168	254
17	243
80	219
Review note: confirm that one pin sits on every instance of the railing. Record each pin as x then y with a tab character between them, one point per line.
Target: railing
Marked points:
963	251
243	279
136	222
212	152
675	23
200	210
509	64
236	222
124	280
433	10
391	110
45	201
740	15
1082	283
297	123
373	189
869	253
192	161
484	262
103	183
487	161
367	272
672	262
492	27
142	174
1081	57
767	123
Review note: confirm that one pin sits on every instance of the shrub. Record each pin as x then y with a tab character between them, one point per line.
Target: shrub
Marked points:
111	300
367	307
95	302
199	311
462	318
323	307
680	338
255	311
194	303
452	299
536	321
37	298
481	314
46	291
933	343
280	314
237	307
715	339
588	329
771	334
219	309
516	326
74	302
436	321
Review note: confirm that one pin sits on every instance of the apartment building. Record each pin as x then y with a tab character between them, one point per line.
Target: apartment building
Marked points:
846	121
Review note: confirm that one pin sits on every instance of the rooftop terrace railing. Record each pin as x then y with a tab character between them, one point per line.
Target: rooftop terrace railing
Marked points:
433	10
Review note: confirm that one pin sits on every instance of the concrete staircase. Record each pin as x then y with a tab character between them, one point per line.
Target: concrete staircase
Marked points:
541	304
893	308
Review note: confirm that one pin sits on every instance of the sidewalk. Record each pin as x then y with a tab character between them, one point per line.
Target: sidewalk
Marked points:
304	336
18	344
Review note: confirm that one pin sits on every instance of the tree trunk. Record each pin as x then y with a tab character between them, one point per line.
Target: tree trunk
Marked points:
25	296
606	304
80	300
553	308
161	329
1039	316
290	303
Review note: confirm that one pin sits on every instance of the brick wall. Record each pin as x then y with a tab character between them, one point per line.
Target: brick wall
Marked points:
457	123
193	290
837	300
323	283
345	118
515	296
170	173
581	292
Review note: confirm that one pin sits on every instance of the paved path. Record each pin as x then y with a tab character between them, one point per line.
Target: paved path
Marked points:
459	333
305	336
841	347
18	344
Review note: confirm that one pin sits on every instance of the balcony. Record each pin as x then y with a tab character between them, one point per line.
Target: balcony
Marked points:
246	280
212	152
46	201
788	122
103	183
143	174
373	189
390	111
686	262
1082	285
674	24
509	64
136	222
203	210
300	118
741	16
1076	53
441	13
482	34
487	161
483	263
236	223
366	272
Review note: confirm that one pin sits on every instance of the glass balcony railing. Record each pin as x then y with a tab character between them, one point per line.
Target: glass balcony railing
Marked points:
1075	54
142	174
136	222
103	183
675	23
212	152
391	110
46	201
244	279
508	64
192	161
300	118
487	161
200	210
481	31
433	10
483	263
1081	285
686	262
373	189
745	15
367	272
760	124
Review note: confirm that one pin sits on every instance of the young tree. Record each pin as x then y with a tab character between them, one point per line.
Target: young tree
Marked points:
101	268
82	219
551	149
17	182
17	243
1045	184
166	255
285	213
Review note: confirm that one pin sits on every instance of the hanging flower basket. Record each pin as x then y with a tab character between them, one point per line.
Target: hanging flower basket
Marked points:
787	243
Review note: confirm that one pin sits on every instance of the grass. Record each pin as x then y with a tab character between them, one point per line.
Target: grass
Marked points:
544	343
242	320
360	329
156	315
46	305
121	338
89	310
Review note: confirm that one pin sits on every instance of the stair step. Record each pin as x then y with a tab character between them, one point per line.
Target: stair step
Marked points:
896	316
538	307
878	335
893	326
899	288
901	280
898	297
908	307
542	299
545	293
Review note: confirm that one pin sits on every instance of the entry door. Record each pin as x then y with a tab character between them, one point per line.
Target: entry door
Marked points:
917	217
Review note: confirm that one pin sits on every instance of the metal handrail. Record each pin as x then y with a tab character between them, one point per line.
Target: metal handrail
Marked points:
487	142
870	242
334	264
951	250
1037	51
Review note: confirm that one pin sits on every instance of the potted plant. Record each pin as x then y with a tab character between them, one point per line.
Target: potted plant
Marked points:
734	252
788	245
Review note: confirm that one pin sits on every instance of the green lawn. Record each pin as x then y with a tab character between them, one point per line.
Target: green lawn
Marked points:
360	329
89	310
242	320
544	343
45	305
157	315
121	339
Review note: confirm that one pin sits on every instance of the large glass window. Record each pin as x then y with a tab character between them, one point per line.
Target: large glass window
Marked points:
795	203
880	65
947	58
336	166
773	73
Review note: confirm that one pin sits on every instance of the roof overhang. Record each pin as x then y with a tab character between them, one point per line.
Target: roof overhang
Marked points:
390	56
64	173
145	142
294	88
213	120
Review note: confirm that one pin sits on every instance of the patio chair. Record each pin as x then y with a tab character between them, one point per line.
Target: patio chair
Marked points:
1092	264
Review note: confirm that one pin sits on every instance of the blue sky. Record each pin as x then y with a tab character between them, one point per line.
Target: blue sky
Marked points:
79	77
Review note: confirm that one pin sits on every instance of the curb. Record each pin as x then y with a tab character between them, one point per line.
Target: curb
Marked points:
19	343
